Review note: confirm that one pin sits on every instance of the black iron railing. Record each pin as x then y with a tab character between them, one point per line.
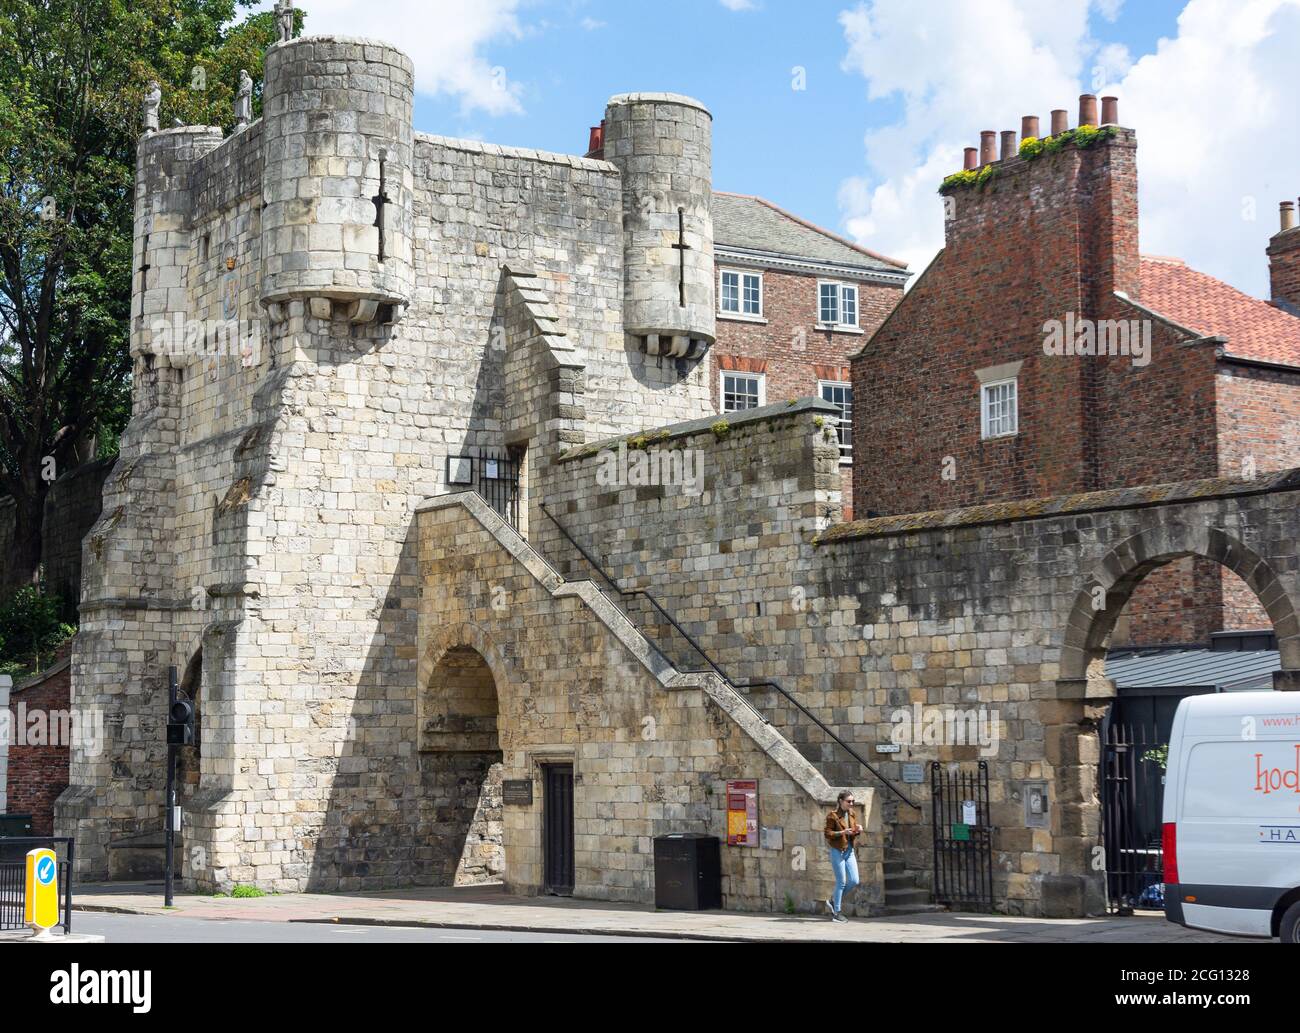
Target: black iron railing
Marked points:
13	878
717	668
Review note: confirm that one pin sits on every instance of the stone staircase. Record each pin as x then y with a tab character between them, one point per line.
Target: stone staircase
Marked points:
902	894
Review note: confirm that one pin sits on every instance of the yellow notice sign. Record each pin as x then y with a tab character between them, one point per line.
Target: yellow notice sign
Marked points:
42	901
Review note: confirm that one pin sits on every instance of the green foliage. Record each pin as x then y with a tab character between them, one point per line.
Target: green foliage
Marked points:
31	629
789	904
970	178
73	75
1158	755
1031	148
241	891
721	429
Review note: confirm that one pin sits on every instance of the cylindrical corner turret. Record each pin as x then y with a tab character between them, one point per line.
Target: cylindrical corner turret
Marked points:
338	181
163	207
662	143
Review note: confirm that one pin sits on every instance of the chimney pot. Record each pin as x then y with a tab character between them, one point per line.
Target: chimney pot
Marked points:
1087	110
1008	145
1029	127
988	146
1110	111
1288	216
972	160
1060	121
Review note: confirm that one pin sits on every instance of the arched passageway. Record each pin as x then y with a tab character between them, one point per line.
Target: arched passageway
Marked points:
460	769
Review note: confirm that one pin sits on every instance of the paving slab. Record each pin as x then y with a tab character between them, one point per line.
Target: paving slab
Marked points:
490	907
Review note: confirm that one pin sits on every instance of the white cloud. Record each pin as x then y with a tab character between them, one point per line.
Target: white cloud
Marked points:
592	24
445	39
739	5
1213	108
962	68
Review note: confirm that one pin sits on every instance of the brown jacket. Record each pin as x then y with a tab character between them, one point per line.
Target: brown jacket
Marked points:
837	829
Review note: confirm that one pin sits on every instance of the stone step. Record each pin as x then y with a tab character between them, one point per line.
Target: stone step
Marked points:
891	910
906	898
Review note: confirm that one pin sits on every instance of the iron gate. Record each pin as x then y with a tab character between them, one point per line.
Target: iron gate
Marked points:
1132	793
963	836
13	878
498	483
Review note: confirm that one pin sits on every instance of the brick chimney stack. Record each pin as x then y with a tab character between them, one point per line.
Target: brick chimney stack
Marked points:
1029	127
988	146
1284	261
596	142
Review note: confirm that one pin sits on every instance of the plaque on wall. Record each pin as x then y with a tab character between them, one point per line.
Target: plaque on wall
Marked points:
517	791
913	773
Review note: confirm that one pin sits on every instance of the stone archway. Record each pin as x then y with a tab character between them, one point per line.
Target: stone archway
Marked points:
460	758
1100	601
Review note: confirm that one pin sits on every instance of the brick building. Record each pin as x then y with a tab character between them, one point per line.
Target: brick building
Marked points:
794	302
1041	354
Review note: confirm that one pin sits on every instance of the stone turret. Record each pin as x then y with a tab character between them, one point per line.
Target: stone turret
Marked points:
338	182
663	145
163	206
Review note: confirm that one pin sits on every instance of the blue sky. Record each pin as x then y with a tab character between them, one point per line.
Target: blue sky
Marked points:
794	148
894	90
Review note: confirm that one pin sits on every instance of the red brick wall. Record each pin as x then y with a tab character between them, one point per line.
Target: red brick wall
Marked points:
1043	240
791	348
1284	266
38	774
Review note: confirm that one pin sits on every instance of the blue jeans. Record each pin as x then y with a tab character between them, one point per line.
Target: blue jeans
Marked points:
845	863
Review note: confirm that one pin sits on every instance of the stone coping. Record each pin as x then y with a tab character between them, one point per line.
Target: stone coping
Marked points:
526	153
682	99
33	680
658	435
1140	497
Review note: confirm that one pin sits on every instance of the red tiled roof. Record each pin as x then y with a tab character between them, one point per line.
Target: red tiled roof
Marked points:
1254	328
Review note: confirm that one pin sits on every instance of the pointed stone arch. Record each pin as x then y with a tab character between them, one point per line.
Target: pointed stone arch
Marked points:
1111	583
463	678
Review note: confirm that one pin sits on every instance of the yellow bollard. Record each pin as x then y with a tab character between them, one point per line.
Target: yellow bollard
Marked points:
41	903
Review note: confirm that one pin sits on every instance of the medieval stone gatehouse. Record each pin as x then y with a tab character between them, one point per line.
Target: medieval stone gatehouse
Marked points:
387	499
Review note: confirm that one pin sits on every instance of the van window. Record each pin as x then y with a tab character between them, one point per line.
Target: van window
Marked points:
1242	779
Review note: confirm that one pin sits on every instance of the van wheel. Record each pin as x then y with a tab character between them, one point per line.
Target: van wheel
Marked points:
1290	930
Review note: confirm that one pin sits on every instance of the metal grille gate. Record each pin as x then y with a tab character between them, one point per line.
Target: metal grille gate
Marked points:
1132	793
963	836
498	483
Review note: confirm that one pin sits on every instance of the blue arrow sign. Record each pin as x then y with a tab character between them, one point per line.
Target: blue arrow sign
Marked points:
45	871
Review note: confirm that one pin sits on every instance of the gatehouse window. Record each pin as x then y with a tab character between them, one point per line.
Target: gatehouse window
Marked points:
741	391
841	394
999	405
740	294
837	305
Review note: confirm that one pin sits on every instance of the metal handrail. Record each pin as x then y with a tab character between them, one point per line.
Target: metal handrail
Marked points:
718	669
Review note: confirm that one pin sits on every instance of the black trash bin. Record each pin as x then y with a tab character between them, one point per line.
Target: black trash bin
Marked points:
688	872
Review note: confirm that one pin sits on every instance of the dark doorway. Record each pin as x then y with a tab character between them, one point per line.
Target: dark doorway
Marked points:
557	828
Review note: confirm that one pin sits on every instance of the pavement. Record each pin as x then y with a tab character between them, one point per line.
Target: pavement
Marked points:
491	908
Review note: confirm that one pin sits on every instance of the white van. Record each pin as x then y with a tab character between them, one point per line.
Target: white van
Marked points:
1232	815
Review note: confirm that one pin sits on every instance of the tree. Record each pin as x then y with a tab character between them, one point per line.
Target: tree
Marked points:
73	76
